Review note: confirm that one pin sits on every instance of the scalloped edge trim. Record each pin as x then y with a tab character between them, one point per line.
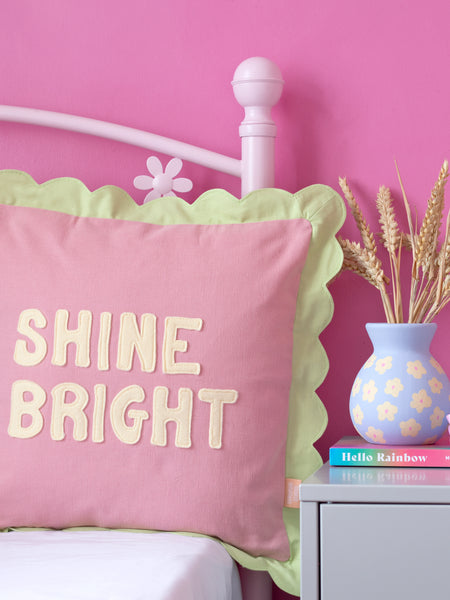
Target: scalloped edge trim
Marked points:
70	196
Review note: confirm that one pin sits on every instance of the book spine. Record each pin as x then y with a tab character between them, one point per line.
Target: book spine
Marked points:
390	457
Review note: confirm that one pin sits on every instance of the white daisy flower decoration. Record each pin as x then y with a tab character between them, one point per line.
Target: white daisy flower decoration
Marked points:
162	182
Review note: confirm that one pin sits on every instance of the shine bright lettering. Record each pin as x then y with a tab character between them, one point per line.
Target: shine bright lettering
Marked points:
131	407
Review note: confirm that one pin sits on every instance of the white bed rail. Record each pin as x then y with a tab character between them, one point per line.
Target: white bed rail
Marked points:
257	86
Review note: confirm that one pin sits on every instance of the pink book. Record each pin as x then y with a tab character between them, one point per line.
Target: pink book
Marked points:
356	452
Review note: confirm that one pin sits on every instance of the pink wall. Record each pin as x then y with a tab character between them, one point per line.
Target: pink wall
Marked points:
366	82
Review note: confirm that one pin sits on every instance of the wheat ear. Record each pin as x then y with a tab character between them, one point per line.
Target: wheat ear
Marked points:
439	291
366	235
392	241
389	226
429	231
428	258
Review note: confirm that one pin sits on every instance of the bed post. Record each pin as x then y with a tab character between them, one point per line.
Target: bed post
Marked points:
257	86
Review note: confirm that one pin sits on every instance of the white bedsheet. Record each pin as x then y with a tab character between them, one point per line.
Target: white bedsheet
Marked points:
114	565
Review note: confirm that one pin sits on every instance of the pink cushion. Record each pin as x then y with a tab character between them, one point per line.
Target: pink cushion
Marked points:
110	309
107	326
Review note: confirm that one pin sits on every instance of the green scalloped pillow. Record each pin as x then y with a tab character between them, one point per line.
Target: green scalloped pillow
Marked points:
159	363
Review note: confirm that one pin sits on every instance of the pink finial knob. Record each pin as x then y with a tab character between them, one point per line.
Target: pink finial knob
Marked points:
257	86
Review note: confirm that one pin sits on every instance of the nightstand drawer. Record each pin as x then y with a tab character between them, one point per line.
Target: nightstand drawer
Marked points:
384	551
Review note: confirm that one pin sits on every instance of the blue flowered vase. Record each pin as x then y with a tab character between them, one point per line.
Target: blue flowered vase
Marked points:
401	396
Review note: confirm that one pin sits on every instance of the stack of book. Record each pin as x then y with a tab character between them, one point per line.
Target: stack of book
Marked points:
356	452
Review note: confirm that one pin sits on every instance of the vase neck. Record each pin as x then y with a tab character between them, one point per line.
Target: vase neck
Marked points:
414	336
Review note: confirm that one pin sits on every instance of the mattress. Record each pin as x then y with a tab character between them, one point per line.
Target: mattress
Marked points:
114	565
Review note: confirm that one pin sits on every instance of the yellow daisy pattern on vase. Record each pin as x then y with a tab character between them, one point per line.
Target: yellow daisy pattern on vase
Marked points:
393	387
376	435
435	385
356	386
434	363
369	362
369	391
416	369
399	387
437	417
358	415
410	428
383	364
387	411
420	401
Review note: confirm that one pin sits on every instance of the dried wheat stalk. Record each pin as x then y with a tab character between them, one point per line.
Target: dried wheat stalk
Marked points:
366	234
429	232
390	229
424	294
392	240
440	290
430	275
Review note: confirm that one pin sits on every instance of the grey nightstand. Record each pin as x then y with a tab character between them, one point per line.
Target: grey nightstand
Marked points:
372	533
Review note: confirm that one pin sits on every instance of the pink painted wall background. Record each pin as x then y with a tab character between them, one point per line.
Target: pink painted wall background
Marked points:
366	83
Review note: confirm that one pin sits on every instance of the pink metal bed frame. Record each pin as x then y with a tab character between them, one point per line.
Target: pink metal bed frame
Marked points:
257	86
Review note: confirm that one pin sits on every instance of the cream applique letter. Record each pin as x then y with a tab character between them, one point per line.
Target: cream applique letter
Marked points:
98	417
129	434
22	355
72	410
81	337
172	344
182	415
217	398
104	337
143	340
21	407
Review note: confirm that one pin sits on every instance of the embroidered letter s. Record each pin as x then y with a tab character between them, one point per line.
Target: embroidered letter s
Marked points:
22	355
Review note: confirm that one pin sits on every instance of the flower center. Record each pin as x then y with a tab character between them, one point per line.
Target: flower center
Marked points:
162	183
